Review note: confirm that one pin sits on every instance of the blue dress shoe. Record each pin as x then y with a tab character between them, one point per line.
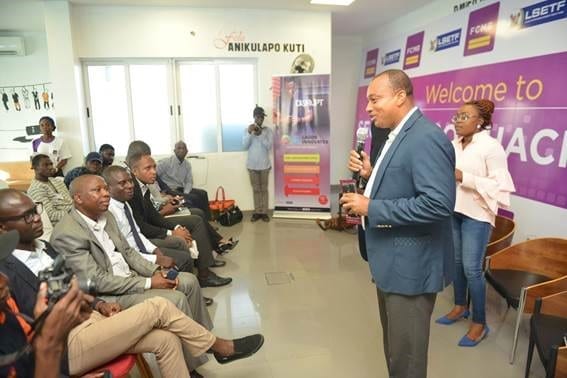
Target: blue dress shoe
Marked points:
446	321
467	342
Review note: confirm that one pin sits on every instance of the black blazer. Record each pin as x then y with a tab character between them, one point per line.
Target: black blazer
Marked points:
23	283
152	224
24	286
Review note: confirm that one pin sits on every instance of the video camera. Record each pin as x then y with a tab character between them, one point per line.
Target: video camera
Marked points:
58	279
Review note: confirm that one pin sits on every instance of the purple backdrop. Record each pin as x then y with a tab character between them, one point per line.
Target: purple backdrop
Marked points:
530	118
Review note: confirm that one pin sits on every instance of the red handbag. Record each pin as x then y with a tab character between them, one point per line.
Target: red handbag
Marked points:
218	206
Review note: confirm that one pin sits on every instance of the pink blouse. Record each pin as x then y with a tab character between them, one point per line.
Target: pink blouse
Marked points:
487	184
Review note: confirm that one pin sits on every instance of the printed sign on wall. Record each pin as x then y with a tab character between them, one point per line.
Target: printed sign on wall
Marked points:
371	61
481	30
414	44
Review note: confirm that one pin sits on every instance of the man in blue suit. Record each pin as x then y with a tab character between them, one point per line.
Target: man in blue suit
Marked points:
406	209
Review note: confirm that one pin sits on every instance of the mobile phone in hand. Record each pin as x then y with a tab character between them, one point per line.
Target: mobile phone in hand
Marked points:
172	274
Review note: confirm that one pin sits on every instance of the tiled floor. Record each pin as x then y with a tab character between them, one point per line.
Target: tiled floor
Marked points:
324	322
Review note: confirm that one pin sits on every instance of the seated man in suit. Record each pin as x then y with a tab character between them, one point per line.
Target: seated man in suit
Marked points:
121	188
153	225
93	166
93	246
49	190
108	332
176	172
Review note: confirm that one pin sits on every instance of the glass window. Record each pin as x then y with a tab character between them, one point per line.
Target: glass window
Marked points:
199	104
237	102
151	106
136	100
109	106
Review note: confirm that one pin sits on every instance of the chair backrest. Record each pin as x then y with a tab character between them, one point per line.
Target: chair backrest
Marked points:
561	363
502	235
545	256
555	305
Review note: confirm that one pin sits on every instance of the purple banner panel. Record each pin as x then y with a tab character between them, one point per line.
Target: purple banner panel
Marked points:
301	143
481	30
371	61
414	46
530	119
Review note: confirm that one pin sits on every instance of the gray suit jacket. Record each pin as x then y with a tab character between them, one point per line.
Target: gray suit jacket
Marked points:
85	255
409	233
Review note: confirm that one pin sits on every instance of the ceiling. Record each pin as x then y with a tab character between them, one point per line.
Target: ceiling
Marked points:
360	16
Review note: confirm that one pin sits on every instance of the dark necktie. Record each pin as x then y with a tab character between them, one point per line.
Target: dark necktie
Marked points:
135	234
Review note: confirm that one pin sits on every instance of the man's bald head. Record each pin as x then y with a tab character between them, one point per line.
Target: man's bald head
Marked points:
90	195
10	200
180	150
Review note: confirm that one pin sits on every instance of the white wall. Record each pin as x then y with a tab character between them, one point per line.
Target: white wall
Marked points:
534	219
346	68
16	71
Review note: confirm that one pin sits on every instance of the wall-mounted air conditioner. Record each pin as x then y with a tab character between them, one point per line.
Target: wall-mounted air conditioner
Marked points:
12	46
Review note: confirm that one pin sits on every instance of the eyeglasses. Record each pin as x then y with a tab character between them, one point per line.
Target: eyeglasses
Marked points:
462	117
28	215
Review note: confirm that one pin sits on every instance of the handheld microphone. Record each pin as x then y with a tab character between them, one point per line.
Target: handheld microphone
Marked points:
361	135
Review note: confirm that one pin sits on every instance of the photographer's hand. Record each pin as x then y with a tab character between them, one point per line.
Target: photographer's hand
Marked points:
65	315
108	309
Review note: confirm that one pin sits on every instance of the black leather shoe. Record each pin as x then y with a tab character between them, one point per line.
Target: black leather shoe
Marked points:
208	301
213	280
265	218
243	348
255	217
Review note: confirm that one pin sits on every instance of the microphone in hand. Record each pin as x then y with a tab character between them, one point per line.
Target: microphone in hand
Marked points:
361	135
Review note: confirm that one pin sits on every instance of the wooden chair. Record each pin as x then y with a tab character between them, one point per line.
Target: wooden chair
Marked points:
548	326
501	236
517	273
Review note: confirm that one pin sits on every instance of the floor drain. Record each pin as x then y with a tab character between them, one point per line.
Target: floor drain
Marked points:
277	278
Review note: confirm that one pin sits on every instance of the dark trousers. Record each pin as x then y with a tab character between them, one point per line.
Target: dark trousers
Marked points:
198	229
198	198
214	236
405	326
177	250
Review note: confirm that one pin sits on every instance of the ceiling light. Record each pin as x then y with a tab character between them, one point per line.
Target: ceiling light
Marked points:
332	2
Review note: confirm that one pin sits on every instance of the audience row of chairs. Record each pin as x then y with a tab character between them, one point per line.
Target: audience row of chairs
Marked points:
532	277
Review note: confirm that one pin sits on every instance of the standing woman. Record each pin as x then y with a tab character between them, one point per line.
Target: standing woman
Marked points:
483	185
50	145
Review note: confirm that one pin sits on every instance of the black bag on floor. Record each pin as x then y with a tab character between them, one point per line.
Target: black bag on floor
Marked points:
230	217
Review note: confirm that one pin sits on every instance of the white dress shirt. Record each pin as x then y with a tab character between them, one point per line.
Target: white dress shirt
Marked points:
117	209
119	265
391	137
36	260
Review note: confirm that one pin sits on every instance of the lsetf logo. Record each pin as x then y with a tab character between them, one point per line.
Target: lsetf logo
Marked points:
446	41
391	57
540	13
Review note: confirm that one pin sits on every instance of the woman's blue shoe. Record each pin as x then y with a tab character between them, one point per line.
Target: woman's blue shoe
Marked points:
446	321
466	342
